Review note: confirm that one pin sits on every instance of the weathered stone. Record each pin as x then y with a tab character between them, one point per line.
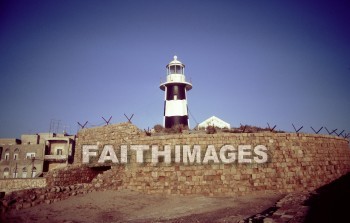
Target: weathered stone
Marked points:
32	197
27	205
296	162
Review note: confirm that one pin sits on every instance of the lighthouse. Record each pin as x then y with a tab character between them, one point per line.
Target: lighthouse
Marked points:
175	99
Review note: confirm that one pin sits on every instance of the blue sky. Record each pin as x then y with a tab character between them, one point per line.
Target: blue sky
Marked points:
250	62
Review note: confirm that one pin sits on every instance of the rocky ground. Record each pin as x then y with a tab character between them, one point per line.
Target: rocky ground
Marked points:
129	206
326	204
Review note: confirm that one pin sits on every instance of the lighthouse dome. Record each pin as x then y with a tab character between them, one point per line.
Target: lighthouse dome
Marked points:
175	62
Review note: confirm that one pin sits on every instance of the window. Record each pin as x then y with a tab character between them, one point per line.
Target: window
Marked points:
24	172
6	172
59	151
172	69
178	69
7	154
30	155
175	69
15	155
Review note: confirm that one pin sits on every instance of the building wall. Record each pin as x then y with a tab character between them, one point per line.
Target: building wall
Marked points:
22	165
59	152
63	146
30	139
44	136
9	141
296	162
9	185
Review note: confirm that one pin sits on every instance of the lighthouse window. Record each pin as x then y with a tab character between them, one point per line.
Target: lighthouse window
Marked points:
172	69
175	69
178	69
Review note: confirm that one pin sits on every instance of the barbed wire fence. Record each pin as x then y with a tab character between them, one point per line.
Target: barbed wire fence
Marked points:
243	128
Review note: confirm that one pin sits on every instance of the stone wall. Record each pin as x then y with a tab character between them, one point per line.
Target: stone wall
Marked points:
27	198
8	185
55	186
122	133
72	175
297	162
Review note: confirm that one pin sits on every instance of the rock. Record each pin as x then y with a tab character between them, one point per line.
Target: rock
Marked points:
269	220
4	203
32	197
18	206
57	189
27	205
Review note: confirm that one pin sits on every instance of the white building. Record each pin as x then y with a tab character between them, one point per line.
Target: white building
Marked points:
214	121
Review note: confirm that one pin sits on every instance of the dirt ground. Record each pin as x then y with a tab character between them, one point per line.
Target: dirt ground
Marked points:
129	206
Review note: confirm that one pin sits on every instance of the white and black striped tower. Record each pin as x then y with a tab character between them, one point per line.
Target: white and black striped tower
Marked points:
175	100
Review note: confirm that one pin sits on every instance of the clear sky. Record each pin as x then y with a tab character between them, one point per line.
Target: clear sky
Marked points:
250	62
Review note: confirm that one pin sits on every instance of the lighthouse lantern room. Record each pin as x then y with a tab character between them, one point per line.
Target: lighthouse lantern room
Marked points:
175	100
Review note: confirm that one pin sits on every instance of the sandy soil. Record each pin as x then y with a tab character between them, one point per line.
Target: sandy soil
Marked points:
129	206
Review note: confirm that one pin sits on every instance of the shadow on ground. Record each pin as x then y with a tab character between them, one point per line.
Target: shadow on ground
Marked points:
331	203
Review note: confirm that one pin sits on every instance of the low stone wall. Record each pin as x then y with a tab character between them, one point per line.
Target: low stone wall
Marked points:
27	198
59	185
8	185
72	175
